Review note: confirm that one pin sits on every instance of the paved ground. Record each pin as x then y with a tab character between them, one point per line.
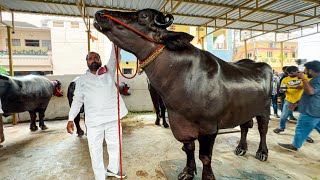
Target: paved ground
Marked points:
54	154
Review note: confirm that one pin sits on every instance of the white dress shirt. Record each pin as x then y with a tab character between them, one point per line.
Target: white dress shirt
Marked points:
98	93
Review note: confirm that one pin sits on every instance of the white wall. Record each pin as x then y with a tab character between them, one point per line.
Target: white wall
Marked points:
70	47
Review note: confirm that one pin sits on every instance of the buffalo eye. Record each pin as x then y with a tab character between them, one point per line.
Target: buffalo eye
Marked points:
143	16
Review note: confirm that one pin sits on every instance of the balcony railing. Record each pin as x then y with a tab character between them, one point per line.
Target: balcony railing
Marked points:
26	50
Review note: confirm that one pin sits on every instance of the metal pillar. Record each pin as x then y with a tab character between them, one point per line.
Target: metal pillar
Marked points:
14	121
281	54
202	43
245	49
88	32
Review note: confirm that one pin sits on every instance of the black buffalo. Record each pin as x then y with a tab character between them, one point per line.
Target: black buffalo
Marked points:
158	105
28	93
124	90
202	93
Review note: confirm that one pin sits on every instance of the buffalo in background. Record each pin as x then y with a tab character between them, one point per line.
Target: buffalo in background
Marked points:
28	93
158	105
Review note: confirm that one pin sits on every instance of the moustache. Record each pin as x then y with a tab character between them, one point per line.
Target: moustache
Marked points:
94	66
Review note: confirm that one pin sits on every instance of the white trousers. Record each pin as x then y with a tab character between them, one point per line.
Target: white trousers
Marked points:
95	135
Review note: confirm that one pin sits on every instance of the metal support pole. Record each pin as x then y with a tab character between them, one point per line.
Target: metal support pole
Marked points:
281	54
88	32
202	43
14	121
245	49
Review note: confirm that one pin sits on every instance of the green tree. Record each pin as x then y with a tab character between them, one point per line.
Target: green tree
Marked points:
3	71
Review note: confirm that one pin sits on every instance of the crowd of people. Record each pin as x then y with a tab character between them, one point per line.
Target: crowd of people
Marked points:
297	90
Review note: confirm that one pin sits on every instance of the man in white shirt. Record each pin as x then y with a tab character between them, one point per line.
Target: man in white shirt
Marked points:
97	91
1	125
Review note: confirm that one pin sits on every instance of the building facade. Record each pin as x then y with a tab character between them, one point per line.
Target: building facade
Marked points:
264	49
32	50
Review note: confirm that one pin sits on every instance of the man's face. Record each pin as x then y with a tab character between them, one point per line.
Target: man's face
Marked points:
93	62
308	73
292	74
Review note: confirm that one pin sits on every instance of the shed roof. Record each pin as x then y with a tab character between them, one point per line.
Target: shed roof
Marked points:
259	15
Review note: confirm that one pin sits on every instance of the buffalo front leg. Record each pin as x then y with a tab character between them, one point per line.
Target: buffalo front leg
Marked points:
205	155
41	120
1	130
77	122
262	153
190	169
242	147
33	116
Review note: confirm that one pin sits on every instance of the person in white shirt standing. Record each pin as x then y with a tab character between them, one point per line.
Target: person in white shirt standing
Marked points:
97	91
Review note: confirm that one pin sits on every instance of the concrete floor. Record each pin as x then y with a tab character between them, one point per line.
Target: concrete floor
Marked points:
54	154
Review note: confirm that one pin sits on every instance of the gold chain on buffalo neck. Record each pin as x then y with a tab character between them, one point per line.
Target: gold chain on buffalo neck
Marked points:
152	57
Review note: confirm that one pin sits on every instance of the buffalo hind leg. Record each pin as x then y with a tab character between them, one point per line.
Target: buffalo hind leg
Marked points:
1	130
190	169
80	132
41	120
205	155
262	153
33	116
163	113
242	147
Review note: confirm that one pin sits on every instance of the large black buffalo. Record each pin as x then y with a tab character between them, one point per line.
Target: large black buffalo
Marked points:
28	93
124	90
202	93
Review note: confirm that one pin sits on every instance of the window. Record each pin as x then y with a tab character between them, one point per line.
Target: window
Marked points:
127	70
285	54
44	23
249	55
58	24
15	42
47	43
35	43
74	24
293	54
220	40
269	54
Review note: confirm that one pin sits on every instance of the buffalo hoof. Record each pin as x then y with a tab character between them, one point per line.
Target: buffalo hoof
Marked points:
184	175
262	156
157	122
211	177
165	125
80	132
33	128
44	127
239	152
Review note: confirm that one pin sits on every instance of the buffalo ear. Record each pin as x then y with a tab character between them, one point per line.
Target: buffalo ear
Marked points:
176	40
3	77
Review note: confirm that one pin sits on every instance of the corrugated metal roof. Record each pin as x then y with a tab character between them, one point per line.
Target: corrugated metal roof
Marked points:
275	15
